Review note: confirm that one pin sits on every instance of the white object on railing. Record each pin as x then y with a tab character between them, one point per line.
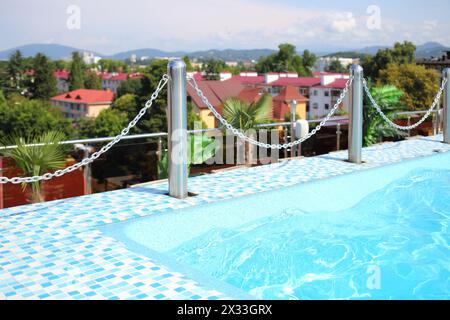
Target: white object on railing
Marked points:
95	155
301	128
436	100
242	136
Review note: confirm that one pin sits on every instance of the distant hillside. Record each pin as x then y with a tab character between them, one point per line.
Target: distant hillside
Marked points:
54	51
431	49
226	55
426	50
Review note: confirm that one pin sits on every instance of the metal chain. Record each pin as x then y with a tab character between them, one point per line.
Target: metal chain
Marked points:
405	128
47	176
242	136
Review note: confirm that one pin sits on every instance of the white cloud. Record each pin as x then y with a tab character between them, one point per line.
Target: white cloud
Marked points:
344	22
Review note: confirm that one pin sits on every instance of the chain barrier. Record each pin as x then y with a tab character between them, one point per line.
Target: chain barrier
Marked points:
47	176
436	100
242	136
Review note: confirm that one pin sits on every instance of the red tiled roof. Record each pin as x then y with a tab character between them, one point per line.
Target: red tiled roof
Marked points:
337	84
215	91
290	93
248	80
250	94
87	96
62	74
296	82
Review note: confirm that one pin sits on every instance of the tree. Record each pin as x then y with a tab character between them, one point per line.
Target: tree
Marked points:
25	118
108	123
16	69
35	160
287	60
401	53
92	81
77	69
127	104
111	65
44	84
375	128
418	83
213	68
246	116
336	66
155	120
187	61
129	86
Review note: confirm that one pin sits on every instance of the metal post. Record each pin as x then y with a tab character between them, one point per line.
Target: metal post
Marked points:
177	129
293	105
446	75
338	136
355	130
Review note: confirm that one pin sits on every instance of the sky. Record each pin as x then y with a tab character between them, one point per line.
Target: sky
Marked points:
111	26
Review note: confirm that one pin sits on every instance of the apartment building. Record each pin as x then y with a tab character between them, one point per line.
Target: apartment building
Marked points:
82	103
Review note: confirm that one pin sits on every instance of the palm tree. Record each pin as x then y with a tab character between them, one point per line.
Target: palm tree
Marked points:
375	127
247	116
36	155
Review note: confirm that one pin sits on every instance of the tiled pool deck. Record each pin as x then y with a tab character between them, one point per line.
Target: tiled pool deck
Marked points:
55	251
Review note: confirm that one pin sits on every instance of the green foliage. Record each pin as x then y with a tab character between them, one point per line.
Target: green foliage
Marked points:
108	123
375	128
155	120
246	116
418	83
129	86
77	69
201	148
336	66
189	66
111	65
213	68
193	119
44	84
35	160
401	53
287	60
25	117
16	69
92	81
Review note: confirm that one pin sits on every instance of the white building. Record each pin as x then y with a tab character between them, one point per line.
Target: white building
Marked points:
323	63
324	96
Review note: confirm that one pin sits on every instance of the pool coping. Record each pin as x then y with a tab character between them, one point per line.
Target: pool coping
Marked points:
55	251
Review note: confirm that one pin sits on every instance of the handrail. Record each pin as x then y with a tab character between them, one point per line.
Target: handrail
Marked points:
164	134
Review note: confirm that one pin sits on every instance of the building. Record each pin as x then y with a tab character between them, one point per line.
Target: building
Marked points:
324	96
282	104
216	92
112	80
62	80
315	95
323	63
83	102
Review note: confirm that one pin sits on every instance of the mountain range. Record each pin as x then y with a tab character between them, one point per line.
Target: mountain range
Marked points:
57	51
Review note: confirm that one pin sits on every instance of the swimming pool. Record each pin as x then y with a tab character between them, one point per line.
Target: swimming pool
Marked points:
381	233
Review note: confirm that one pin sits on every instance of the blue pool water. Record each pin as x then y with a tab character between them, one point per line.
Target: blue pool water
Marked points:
380	233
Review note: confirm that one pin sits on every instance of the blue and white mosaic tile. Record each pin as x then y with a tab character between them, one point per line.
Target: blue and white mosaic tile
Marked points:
53	250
